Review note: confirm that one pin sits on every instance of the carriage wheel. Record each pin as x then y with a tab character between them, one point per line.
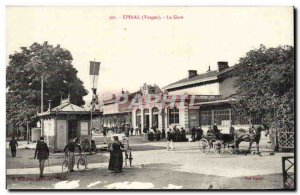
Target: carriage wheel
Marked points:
231	148
204	146
65	166
218	147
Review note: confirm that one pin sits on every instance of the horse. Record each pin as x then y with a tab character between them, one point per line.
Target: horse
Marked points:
253	135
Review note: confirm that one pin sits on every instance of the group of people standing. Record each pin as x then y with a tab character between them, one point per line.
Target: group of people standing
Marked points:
175	135
197	133
42	153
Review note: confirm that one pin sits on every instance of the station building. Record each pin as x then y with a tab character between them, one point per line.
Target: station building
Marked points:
198	100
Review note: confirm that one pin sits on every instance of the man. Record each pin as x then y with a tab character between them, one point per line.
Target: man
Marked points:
131	131
146	132
163	134
13	144
199	133
70	148
104	135
182	135
193	133
42	154
127	130
170	137
216	131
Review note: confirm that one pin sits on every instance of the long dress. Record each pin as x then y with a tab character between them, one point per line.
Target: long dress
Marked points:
116	157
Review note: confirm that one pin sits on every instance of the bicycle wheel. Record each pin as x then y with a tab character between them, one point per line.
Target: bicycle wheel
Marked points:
81	164
65	166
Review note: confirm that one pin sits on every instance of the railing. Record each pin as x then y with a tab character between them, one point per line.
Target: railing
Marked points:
288	172
286	140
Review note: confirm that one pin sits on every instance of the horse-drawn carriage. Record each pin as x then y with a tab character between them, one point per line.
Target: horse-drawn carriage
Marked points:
217	141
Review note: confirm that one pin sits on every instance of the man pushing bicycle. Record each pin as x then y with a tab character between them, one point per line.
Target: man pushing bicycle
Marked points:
70	151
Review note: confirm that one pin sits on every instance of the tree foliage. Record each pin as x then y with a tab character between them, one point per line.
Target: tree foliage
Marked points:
266	84
23	81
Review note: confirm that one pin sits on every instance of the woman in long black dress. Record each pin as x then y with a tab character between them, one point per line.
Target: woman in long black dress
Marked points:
116	156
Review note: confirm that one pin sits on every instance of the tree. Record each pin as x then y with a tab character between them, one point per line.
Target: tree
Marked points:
265	85
23	81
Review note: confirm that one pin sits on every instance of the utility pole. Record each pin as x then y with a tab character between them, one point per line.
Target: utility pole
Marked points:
42	103
28	133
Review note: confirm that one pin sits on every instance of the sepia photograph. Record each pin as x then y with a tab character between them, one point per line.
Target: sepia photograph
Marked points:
171	98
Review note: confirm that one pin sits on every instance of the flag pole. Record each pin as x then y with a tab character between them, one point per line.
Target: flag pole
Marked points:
91	123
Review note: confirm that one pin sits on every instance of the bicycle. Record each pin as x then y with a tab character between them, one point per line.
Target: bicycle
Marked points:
65	164
82	163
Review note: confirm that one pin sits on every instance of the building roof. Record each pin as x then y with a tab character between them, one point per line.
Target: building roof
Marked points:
114	98
201	78
66	107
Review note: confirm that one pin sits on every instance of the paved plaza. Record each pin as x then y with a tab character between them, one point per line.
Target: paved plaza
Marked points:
155	168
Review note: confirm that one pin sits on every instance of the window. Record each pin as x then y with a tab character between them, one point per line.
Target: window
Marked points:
155	112
138	117
146	118
84	128
205	117
173	116
221	117
240	120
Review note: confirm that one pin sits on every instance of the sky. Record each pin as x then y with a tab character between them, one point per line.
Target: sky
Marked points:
137	51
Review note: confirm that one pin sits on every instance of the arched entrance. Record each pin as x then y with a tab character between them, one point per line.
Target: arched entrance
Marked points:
155	113
138	118
146	118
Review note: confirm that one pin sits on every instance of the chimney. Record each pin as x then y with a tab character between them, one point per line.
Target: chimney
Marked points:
49	107
192	73
208	69
222	66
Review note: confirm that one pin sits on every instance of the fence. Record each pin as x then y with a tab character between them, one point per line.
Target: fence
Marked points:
286	141
288	172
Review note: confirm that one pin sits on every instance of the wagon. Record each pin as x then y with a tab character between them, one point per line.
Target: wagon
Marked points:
217	143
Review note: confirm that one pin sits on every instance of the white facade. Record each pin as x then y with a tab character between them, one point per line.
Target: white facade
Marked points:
110	108
208	89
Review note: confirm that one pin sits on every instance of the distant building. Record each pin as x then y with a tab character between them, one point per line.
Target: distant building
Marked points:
116	111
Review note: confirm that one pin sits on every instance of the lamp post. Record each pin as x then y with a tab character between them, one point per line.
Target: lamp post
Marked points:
94	73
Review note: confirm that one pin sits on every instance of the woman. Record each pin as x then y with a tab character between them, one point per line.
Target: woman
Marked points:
116	156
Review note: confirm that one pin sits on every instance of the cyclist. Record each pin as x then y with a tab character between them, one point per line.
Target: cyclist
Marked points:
70	148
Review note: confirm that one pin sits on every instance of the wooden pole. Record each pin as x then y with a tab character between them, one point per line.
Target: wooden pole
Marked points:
42	103
27	127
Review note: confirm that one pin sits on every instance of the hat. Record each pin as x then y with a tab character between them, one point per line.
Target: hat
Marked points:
41	138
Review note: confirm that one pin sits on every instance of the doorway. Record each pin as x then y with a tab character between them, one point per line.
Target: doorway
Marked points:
155	113
146	118
72	129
